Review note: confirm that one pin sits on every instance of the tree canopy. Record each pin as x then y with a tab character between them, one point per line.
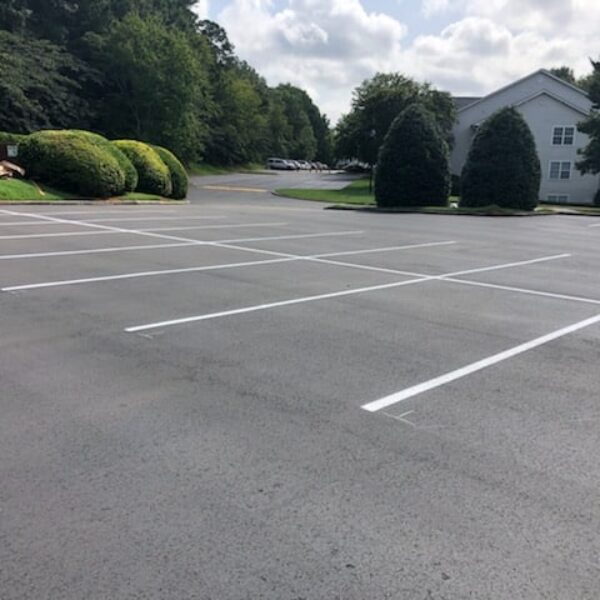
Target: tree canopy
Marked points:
375	105
148	69
590	161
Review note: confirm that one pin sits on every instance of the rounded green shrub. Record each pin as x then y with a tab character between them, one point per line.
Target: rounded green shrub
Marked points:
72	164
179	177
129	172
153	173
11	138
502	167
131	175
412	168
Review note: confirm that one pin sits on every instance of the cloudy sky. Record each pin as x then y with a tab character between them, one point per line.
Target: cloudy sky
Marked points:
468	47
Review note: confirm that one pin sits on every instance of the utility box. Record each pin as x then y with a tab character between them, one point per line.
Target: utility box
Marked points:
9	151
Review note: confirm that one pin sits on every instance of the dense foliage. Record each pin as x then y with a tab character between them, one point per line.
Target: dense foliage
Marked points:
179	178
73	164
502	167
590	161
412	169
376	103
149	70
153	173
129	171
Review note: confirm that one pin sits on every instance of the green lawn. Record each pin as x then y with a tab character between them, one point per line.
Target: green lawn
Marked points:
19	190
355	193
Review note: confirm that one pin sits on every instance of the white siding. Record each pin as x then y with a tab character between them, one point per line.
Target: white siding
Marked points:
542	113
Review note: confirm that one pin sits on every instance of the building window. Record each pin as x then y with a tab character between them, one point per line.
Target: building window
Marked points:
558	198
563	136
560	169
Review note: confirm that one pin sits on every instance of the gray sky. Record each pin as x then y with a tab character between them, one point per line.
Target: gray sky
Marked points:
468	47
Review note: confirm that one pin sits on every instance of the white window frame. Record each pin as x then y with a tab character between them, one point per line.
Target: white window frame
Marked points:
560	170
563	136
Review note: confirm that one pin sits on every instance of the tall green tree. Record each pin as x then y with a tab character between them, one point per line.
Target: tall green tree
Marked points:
40	86
502	167
154	82
375	105
412	168
590	155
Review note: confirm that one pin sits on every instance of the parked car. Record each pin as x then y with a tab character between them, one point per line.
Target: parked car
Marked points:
280	164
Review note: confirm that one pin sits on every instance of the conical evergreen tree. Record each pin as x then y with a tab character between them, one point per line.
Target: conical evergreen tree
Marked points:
502	167
412	169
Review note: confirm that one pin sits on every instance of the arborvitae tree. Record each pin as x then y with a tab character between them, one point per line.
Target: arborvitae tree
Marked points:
502	167
412	169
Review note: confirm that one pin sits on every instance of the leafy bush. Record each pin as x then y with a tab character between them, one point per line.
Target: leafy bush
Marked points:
179	177
11	138
154	176
412	169
129	172
131	175
72	164
502	167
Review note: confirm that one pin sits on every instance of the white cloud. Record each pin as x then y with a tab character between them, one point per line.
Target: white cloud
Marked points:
329	46
201	8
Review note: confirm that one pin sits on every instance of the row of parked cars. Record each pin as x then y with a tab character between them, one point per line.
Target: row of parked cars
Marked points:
286	164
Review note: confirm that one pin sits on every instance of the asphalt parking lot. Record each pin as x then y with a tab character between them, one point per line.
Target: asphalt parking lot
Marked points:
251	397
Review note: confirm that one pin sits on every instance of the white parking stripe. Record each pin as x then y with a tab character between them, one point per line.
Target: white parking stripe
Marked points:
248	309
520	290
179	245
75	233
235	226
182	218
137	275
32	236
442	380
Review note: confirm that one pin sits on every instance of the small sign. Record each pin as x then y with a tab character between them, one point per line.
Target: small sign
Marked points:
12	151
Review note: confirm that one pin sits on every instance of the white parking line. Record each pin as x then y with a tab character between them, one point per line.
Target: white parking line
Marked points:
248	309
110	231
32	236
301	300
235	226
179	245
442	380
182	218
520	290
137	275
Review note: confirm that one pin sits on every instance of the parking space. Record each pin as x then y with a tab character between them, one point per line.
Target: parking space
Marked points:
296	402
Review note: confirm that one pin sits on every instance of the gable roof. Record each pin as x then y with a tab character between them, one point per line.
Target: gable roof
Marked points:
554	97
515	83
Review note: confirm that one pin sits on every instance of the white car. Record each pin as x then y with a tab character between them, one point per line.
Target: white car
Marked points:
279	164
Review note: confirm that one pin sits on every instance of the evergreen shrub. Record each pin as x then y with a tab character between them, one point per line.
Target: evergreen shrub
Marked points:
179	177
72	164
412	168
153	173
502	167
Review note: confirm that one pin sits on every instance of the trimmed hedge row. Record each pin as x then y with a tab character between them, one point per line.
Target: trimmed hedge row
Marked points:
72	164
11	138
154	175
88	164
131	175
179	178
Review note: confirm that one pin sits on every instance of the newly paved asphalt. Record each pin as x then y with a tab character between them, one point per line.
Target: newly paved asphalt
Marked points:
229	458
